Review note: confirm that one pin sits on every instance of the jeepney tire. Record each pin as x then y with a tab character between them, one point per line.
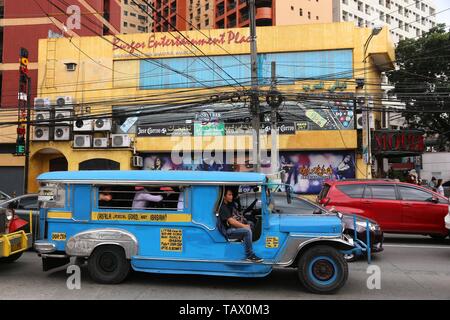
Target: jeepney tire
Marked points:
11	258
108	264
326	262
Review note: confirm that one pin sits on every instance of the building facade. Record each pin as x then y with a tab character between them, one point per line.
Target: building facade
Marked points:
118	122
135	18
405	18
22	26
220	14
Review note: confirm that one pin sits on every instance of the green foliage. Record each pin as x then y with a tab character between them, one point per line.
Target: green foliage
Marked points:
422	81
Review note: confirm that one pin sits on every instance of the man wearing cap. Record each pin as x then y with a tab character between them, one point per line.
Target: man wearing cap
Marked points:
143	197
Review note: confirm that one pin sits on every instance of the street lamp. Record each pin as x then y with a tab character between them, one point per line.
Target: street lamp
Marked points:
375	32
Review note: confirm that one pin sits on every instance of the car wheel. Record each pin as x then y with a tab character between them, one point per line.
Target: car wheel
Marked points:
322	269
108	264
11	258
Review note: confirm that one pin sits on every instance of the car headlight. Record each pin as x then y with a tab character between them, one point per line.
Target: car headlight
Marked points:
362	224
9	215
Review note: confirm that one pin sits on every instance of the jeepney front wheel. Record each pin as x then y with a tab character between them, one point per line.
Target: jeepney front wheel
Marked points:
108	264
322	269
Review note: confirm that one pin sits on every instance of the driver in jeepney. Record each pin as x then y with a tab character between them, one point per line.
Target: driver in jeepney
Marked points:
236	226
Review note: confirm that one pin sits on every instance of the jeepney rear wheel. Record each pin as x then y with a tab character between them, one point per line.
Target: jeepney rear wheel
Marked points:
322	269
108	265
11	258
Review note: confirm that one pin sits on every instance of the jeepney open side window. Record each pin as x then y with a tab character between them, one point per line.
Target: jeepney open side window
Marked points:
52	195
154	197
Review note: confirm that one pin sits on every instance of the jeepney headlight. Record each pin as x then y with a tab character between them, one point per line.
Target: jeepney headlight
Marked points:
9	215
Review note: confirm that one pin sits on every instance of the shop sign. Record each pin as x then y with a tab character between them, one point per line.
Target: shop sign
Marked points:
398	142
164	131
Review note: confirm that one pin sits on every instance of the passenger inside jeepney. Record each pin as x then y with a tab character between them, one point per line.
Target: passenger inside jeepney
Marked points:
105	198
143	197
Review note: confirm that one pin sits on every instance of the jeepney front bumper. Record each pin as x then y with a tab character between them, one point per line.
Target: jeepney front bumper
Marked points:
43	247
12	243
359	247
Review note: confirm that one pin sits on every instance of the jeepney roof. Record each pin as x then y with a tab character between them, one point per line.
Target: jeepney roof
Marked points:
152	176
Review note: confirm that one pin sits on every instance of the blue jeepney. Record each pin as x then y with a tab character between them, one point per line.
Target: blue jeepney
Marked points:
92	215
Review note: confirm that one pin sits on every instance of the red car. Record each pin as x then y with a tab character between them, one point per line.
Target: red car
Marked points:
397	207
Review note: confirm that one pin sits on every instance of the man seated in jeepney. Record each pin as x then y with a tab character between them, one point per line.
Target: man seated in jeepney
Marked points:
235	226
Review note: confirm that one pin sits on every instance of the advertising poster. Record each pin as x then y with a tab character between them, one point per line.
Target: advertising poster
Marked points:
305	172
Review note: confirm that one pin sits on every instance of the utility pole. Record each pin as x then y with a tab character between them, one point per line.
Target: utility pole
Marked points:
274	130
254	106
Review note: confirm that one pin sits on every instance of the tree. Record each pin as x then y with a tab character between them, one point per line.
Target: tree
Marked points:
421	81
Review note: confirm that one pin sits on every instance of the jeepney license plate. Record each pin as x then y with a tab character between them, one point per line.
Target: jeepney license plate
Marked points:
16	245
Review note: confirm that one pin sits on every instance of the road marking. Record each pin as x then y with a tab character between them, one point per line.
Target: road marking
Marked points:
414	246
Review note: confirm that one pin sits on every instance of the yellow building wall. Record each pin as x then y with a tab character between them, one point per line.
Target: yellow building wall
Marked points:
103	77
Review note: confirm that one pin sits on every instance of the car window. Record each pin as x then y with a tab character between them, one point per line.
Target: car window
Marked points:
385	192
413	194
298	206
352	190
3	197
28	203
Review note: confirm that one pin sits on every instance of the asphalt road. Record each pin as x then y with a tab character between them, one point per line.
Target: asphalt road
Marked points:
412	267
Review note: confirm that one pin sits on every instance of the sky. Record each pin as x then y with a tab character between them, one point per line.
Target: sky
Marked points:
445	16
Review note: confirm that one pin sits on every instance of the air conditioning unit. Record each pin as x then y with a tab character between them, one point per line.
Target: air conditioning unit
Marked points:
63	117
41	133
42	103
120	140
360	121
82	125
40	116
100	143
102	125
62	133
64	102
137	161
82	141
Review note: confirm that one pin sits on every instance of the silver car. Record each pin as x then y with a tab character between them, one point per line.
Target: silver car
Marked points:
23	205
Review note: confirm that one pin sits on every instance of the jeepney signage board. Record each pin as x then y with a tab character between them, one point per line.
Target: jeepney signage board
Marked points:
171	240
272	242
141	217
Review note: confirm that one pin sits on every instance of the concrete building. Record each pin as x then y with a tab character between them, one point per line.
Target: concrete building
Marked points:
22	26
220	14
405	18
135	18
316	135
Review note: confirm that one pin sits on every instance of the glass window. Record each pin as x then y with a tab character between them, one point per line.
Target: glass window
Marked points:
28	203
380	192
413	194
141	197
298	206
352	190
